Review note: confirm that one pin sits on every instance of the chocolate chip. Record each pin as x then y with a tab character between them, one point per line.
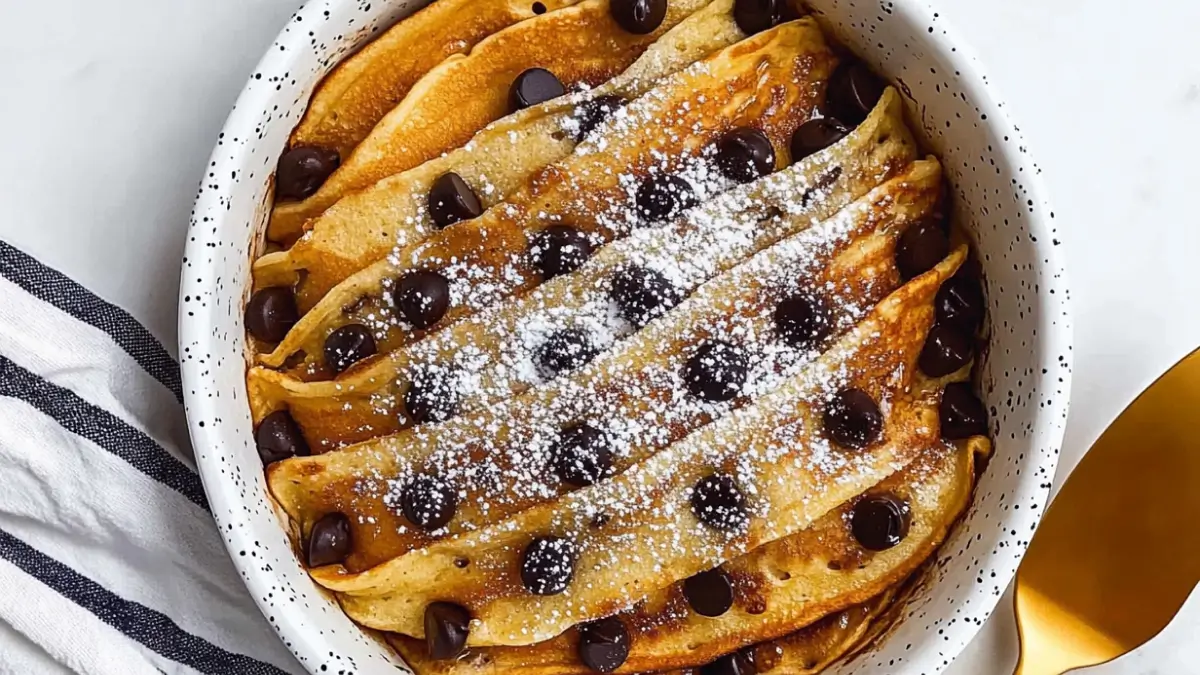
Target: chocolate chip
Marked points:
853	92
604	644
422	297
591	113
329	540
278	437
961	413
852	419
559	249
446	628
348	345
664	197
802	320
717	371
547	565
815	135
432	397
271	313
738	663
881	521
718	503
534	86
428	502
744	154
921	248
565	351
582	455
452	200
639	17
946	350
960	302
643	294
709	593
302	170
755	16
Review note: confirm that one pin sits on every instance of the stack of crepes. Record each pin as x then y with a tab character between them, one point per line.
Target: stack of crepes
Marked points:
669	373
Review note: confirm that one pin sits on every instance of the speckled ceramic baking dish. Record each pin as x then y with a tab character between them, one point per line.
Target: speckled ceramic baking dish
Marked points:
1026	375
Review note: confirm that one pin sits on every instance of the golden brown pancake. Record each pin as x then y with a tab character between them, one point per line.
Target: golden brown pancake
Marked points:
806	588
363	88
367	402
365	226
771	81
650	537
851	256
581	45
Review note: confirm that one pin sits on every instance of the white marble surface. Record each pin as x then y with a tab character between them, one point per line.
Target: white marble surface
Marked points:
108	111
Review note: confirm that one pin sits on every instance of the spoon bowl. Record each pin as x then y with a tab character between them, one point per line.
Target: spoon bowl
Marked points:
1117	555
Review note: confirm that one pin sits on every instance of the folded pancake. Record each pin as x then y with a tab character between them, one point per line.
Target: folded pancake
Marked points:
820	589
581	45
364	87
365	226
769	467
771	81
503	339
632	390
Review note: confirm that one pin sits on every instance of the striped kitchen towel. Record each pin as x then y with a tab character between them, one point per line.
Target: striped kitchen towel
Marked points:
109	559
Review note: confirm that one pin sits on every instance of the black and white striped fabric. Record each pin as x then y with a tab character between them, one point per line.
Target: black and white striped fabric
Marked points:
109	558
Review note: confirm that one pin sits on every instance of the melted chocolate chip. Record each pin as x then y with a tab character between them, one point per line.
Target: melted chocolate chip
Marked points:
642	294
639	17
815	135
737	663
432	397
853	92
604	644
302	171
802	320
422	297
591	113
745	154
946	350
452	200
961	413
582	456
534	86
348	345
717	371
664	197
852	419
709	593
559	249
547	565
718	503
428	502
446	628
879	522
329	540
271	313
921	248
755	16
960	302
565	351
278	437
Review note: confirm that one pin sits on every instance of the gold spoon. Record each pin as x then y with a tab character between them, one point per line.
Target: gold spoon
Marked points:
1117	553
